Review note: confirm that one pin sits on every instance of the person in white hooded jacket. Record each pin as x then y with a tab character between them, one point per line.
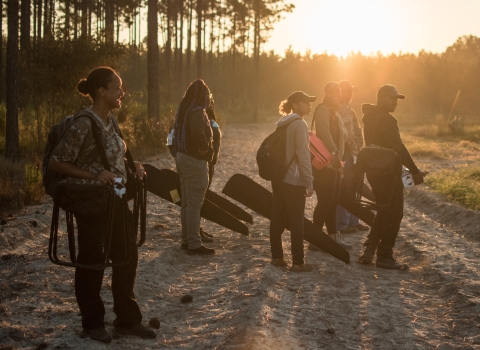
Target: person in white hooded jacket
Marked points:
290	193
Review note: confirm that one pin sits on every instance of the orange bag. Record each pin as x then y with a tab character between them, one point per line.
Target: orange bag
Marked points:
319	154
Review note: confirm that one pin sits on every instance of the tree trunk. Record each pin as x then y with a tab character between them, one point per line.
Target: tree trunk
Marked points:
199	38
189	41
39	20
1	52
25	26
75	19
66	34
180	56
153	104
12	149
117	19
52	14
46	25
84	28
168	49
109	22
256	62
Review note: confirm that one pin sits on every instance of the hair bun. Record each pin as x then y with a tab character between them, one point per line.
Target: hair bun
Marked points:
83	87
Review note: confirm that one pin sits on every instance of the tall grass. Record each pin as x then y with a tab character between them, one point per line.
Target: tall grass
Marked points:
20	184
460	185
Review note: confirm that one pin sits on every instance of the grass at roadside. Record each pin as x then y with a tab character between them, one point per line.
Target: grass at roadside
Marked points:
461	185
20	184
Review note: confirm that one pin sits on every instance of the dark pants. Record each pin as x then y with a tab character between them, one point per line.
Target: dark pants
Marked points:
386	225
89	282
211	171
327	185
288	210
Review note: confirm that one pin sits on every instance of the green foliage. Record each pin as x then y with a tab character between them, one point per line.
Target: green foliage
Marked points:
20	184
32	188
460	185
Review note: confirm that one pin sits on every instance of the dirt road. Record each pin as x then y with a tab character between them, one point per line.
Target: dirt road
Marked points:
240	301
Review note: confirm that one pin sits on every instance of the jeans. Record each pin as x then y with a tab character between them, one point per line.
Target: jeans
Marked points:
89	282
345	218
327	186
194	183
288	210
386	225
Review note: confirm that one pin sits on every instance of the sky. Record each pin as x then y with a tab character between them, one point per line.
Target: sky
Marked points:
369	26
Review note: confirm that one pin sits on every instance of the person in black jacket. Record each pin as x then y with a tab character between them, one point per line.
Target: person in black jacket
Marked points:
381	129
217	137
194	143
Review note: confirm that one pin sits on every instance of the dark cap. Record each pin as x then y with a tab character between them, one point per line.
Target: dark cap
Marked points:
346	85
300	96
389	90
331	86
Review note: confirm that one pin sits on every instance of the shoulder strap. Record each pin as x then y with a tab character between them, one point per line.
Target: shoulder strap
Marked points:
128	155
96	136
313	118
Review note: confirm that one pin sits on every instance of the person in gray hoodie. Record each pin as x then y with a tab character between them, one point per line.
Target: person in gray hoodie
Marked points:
289	194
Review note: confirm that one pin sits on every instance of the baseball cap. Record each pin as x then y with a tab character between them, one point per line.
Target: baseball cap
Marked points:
300	96
347	85
389	90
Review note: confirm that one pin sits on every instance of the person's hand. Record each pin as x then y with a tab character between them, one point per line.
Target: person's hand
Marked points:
139	171
419	177
336	161
309	192
105	177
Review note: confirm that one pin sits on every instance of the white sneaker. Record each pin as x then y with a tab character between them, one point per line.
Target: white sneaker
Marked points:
337	238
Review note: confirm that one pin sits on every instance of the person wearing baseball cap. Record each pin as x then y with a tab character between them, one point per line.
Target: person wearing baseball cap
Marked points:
289	194
381	129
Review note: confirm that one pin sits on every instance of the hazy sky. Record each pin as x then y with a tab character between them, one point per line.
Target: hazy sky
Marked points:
342	26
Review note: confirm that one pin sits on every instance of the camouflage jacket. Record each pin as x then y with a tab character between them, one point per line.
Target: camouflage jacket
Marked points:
354	140
78	141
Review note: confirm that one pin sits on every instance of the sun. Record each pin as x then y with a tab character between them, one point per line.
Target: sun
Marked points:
343	26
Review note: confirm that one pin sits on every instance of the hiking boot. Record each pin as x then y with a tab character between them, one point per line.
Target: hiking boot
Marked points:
301	268
201	251
205	237
368	254
205	233
278	262
99	334
184	246
138	330
349	230
390	263
314	248
337	238
361	227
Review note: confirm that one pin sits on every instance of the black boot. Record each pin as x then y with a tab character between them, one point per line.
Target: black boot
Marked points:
368	254
390	263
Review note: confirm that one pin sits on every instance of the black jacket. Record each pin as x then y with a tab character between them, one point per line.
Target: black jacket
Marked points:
199	135
381	129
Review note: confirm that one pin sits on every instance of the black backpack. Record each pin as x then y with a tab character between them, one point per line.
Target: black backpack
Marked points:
52	178
271	155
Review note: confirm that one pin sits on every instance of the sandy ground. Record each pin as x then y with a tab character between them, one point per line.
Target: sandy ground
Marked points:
240	301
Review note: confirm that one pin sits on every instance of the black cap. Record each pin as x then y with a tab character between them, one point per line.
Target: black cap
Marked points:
300	96
389	90
346	85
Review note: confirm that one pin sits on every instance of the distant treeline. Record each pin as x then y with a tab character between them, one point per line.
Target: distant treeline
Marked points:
59	42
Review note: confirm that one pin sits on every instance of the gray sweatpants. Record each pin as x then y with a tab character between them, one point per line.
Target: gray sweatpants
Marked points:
194	182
